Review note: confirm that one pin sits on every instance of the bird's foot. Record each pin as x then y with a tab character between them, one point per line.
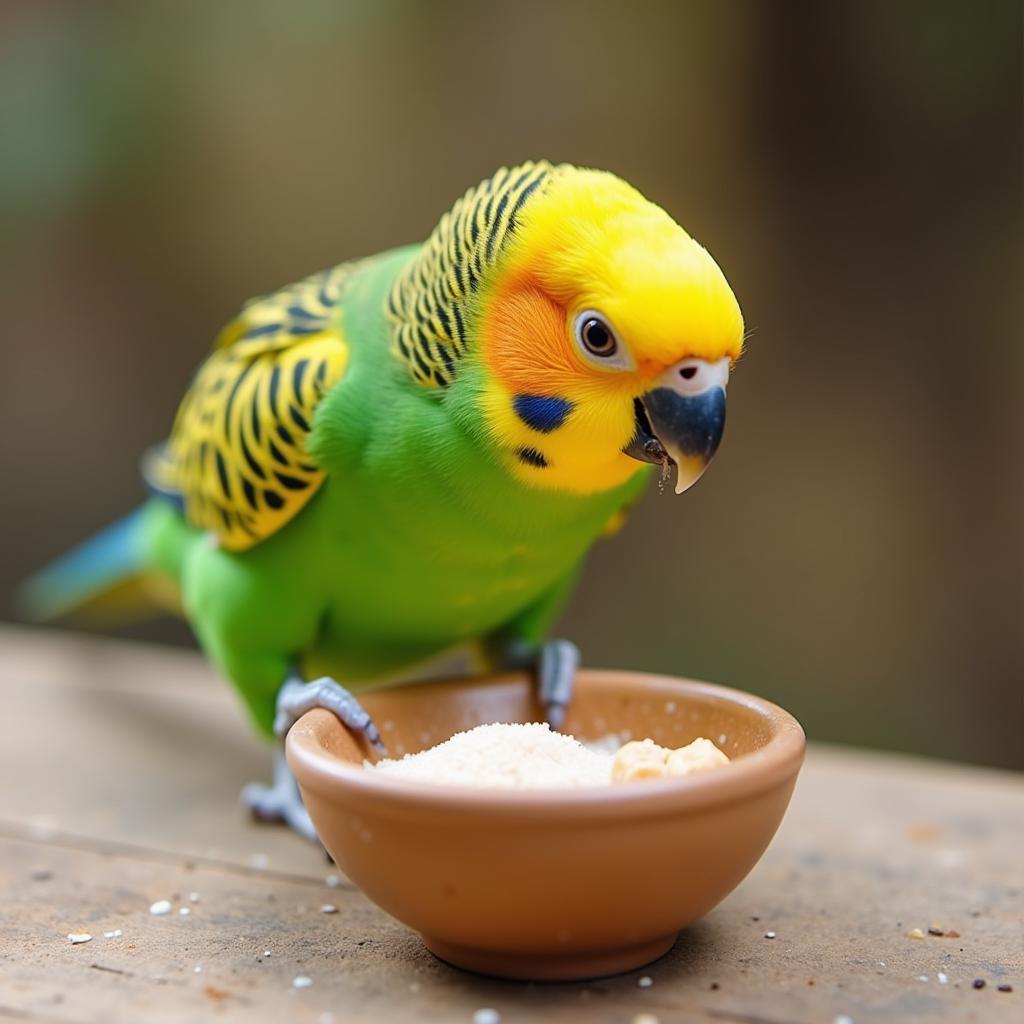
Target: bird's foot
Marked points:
556	676
297	697
555	663
280	801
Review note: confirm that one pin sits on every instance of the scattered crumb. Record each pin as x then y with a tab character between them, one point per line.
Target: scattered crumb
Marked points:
486	1015
218	995
42	875
333	881
923	833
714	986
922	977
755	918
193	897
160	907
952	934
184	911
198	969
77	937
328	908
769	935
1004	988
843	1019
645	1018
301	981
935	930
915	933
645	982
115	934
978	983
267	952
943	978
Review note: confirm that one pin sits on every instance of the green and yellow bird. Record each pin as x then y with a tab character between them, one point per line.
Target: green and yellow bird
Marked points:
415	451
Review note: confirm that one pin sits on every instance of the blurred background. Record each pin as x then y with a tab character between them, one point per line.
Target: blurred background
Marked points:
855	553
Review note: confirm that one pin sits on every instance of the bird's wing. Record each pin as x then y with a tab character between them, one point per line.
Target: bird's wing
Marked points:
236	460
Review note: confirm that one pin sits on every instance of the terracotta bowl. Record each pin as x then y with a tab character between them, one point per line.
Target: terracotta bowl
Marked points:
551	884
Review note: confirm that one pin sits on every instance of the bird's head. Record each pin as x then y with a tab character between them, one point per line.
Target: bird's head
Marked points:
602	333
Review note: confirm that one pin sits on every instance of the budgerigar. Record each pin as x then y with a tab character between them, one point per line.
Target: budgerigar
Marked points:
414	452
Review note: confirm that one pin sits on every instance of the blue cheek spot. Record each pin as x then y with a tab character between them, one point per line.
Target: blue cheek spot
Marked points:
540	412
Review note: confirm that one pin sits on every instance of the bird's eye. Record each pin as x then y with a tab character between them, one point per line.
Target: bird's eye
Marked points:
597	337
599	343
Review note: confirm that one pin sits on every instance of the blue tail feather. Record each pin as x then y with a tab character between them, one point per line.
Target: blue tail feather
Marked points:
99	565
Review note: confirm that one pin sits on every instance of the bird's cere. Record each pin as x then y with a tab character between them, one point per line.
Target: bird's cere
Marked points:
685	410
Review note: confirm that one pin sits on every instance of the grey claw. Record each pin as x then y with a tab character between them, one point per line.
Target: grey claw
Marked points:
297	697
280	801
335	698
559	660
555	715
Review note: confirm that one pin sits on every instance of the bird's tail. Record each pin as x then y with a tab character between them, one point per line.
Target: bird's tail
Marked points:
104	580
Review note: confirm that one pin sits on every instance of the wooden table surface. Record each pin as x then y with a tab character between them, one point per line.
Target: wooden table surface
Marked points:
121	766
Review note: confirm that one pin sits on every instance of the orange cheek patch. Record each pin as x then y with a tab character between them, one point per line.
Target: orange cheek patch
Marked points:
526	345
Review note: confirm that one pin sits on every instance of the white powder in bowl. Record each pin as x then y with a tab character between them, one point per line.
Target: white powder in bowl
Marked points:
504	756
510	756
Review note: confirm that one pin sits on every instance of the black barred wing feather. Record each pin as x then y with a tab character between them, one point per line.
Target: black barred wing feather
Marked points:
428	303
236	460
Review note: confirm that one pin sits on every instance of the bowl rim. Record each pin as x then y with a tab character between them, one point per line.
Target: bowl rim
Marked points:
775	763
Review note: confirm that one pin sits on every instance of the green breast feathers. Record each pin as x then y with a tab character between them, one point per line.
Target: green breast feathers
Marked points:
236	460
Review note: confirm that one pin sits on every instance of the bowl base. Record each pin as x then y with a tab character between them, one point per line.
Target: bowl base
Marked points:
576	966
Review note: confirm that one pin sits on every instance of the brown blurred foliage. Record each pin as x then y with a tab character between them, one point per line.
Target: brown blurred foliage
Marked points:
855	553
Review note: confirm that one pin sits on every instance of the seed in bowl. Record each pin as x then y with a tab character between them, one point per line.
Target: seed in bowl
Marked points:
513	756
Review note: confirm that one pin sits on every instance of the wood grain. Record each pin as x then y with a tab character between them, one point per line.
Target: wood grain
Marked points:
120	768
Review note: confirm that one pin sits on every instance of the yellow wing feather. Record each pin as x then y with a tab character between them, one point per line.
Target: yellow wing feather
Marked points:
236	459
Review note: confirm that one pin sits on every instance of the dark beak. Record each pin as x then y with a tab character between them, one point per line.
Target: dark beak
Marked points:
680	430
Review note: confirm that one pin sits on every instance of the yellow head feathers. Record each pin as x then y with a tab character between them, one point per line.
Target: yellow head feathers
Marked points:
592	241
588	242
572	296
